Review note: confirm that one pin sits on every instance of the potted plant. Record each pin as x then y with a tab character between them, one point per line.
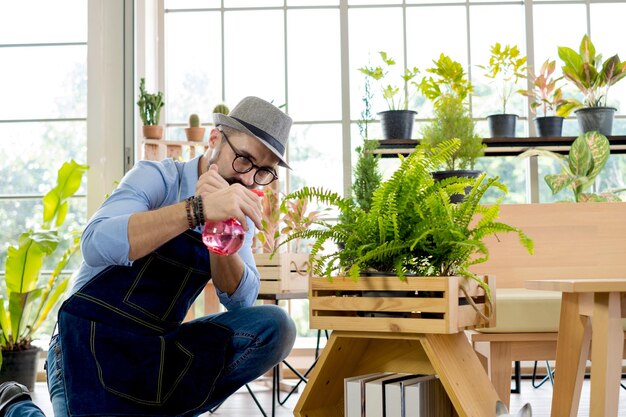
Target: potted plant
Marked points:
150	106
282	271
545	95
412	227
587	157
506	67
194	132
448	89
593	78
27	296
397	122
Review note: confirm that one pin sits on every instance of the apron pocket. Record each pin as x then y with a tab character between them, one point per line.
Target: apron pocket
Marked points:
142	368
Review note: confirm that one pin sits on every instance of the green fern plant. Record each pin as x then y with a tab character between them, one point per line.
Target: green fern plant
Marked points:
412	227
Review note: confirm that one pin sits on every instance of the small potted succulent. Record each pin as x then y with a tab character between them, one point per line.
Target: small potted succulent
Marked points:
593	77
150	106
545	95
221	108
194	132
506	67
397	122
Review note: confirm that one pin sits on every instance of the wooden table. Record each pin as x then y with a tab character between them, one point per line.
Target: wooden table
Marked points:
591	310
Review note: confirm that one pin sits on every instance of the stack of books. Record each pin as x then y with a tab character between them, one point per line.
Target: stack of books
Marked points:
390	394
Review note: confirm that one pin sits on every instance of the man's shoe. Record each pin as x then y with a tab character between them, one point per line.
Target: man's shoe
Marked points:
11	392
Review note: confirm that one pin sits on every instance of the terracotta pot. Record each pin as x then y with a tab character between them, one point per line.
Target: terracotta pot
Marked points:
153	132
195	134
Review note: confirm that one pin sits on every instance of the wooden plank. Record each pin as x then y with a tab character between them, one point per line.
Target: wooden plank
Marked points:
461	374
606	355
572	351
580	240
380	283
399	304
379	324
595	285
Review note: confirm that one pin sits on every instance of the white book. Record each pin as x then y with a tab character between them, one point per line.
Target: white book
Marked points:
354	393
375	394
427	399
395	391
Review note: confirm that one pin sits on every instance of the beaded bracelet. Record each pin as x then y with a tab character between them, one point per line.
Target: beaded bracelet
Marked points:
190	220
198	214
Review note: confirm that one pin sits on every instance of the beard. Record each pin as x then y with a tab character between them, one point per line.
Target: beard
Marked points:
229	180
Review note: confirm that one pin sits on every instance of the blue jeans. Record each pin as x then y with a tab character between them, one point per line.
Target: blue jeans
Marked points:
263	337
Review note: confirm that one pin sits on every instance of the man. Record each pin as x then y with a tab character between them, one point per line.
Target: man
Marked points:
121	347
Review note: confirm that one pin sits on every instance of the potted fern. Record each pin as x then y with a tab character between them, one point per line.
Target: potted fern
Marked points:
27	297
397	122
412	227
593	78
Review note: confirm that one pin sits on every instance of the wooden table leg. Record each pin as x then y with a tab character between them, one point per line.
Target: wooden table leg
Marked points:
461	374
606	354
572	351
500	369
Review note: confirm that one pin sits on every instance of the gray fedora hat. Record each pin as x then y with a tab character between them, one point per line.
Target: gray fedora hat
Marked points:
262	120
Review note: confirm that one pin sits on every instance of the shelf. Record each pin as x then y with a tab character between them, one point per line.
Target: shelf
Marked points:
390	148
158	149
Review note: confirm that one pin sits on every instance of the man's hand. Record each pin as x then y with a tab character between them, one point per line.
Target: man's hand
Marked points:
223	201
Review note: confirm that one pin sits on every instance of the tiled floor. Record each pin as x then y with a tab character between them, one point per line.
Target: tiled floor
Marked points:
242	405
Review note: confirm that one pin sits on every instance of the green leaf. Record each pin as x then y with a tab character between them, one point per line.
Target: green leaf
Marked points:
580	158
20	306
68	181
599	147
51	302
5	321
558	182
24	262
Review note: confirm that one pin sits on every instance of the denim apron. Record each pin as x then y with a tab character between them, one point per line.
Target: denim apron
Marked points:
125	349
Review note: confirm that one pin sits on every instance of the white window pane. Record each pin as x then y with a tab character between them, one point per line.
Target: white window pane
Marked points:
509	31
367	39
253	3
255	57
194	65
608	33
192	4
550	33
426	23
48	144
315	154
34	88
314	65
43	21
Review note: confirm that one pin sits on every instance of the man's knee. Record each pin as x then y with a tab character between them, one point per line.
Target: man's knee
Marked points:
282	327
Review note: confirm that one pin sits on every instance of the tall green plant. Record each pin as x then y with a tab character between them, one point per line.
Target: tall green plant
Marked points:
452	120
367	175
587	157
27	299
544	92
149	105
412	226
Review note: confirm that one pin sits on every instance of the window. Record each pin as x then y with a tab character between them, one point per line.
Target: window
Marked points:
43	110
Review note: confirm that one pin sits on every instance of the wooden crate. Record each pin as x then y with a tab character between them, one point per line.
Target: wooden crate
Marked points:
398	306
285	272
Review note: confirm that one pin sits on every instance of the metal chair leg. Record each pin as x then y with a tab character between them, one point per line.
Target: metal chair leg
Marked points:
549	376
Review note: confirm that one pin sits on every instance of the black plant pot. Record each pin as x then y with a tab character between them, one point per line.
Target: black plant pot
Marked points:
596	118
502	125
549	126
441	175
397	124
20	366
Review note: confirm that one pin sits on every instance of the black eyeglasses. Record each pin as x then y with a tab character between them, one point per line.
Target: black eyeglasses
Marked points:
242	165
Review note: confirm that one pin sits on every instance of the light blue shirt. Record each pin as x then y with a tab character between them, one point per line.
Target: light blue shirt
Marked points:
147	186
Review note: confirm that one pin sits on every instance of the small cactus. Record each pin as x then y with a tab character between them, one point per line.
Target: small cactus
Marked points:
194	120
221	108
